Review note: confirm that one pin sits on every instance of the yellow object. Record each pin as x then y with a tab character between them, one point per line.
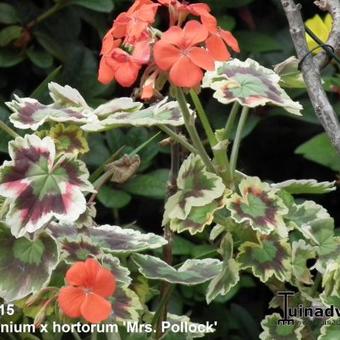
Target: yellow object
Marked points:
321	28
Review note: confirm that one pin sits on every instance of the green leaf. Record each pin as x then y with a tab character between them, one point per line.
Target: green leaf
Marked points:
305	186
25	266
10	57
224	281
111	198
330	330
9	33
278	331
301	253
191	272
39	58
8	14
270	257
105	6
152	185
256	42
320	150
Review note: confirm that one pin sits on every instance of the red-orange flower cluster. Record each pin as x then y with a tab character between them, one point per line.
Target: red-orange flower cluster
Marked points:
183	52
88	287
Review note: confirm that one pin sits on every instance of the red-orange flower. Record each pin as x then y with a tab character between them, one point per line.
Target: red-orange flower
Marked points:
178	52
117	64
89	286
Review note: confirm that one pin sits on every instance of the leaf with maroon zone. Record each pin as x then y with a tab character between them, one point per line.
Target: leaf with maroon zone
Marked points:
25	266
271	256
260	206
113	239
41	187
121	273
125	305
197	187
248	83
165	112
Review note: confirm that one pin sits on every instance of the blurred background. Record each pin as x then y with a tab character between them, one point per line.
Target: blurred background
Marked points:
42	40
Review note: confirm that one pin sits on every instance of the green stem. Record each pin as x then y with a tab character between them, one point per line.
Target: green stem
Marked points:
8	130
204	119
237	141
56	8
190	126
231	119
177	138
76	335
94	335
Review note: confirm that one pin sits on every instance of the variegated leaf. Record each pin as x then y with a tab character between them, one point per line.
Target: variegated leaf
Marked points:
121	273
222	283
40	186
25	265
69	139
317	227
274	330
191	272
248	83
270	257
117	105
198	218
260	206
330	330
331	284
164	112
301	253
125	305
196	188
28	113
109	238
305	186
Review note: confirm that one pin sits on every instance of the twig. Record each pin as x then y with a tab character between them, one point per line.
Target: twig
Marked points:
333	7
311	74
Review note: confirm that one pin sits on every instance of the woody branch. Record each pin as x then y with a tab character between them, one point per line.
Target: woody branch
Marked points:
311	66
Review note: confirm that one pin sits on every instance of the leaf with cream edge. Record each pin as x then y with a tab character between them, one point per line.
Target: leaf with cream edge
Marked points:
260	206
331	284
198	218
270	257
273	330
305	186
40	186
25	266
68	106
196	188
122	274
112	239
222	283
125	305
248	83
317	227
191	272
330	330
164	112
301	253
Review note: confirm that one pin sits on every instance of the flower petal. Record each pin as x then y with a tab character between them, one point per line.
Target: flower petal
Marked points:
105	73
77	274
105	283
165	55
70	300
174	35
95	308
185	74
217	48
127	73
230	40
194	33
202	58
